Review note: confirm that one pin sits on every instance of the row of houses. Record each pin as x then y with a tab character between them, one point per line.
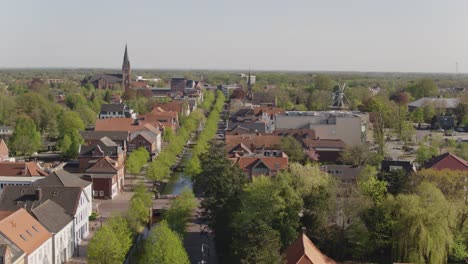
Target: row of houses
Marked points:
43	216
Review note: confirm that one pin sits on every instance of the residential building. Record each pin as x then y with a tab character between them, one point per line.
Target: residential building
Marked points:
20	173
447	161
178	85
4	152
73	200
166	119
257	165
146	139
26	239
353	128
89	155
388	166
6	132
323	150
179	106
94	137
443	122
128	125
107	176
442	104
303	251
255	142
60	224
62	178
346	174
240	128
116	111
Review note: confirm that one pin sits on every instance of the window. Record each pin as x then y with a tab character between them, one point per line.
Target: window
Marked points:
35	228
23	237
101	193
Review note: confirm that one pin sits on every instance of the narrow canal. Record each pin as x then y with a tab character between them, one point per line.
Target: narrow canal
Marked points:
179	180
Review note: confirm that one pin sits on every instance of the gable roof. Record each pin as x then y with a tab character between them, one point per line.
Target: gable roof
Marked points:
125	125
447	161
173	106
147	135
303	251
24	231
253	141
62	178
104	165
436	102
272	163
4	152
97	135
269	110
15	197
52	216
21	169
252	127
113	108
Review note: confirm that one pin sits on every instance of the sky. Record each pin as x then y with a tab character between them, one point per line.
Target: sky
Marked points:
305	35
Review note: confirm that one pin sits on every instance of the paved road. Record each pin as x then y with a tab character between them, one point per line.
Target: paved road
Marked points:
197	235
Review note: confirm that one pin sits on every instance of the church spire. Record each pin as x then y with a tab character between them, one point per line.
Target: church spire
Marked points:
126	62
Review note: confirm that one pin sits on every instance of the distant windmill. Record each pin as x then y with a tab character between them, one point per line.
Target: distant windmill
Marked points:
339	98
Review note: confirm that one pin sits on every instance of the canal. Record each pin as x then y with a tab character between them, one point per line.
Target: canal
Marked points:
179	180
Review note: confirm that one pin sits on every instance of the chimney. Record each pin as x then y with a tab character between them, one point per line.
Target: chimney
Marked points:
38	193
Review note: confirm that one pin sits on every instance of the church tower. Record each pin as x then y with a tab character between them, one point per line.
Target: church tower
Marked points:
126	77
249	87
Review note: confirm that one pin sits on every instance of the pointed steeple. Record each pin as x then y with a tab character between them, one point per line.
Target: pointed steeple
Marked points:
126	61
249	81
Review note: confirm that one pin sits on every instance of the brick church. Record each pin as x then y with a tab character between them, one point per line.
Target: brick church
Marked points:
110	80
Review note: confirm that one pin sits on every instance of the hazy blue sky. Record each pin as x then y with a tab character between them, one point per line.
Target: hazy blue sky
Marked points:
349	35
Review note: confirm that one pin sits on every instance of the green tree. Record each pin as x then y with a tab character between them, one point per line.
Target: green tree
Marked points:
139	212
358	155
70	140
257	242
323	82
25	139
417	116
429	112
422	233
293	149
178	215
370	186
425	153
423	88
164	246
220	183
87	115
105	247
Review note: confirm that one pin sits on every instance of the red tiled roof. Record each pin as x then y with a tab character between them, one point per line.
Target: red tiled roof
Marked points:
25	169
303	251
21	224
173	106
447	161
270	162
271	111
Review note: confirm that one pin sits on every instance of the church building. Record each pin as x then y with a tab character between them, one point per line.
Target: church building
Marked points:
111	80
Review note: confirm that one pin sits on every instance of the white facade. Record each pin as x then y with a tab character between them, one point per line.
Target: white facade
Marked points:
42	255
63	244
81	221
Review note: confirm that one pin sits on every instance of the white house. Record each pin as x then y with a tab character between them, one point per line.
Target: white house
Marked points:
116	111
60	224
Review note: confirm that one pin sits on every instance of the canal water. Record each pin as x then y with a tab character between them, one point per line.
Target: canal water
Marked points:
178	179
